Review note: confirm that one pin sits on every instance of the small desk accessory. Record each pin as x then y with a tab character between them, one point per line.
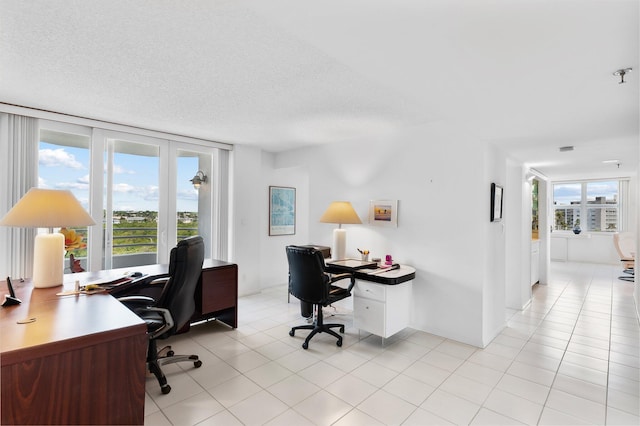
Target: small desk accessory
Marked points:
10	299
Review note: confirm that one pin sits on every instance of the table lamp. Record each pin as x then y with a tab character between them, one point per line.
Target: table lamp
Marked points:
47	208
340	212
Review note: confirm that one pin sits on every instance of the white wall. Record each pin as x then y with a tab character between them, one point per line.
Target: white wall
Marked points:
273	265
494	290
246	224
518	237
442	181
585	247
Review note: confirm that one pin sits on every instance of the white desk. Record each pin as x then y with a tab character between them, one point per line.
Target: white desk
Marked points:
382	300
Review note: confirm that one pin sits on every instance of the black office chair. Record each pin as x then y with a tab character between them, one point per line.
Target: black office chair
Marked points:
167	314
309	282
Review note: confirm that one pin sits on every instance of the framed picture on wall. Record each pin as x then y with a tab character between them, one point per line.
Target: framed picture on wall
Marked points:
282	210
383	213
496	202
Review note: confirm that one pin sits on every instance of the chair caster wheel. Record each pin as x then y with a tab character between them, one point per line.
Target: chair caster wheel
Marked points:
292	333
342	329
165	389
339	342
171	353
305	345
197	364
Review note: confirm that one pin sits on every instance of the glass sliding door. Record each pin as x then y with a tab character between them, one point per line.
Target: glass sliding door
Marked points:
132	228
64	154
139	190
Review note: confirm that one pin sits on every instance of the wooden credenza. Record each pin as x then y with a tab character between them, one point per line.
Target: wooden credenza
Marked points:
217	293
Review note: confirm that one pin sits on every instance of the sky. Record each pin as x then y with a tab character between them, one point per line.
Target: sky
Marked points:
564	194
135	181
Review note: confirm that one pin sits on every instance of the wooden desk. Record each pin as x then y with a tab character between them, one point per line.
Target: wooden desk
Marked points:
216	294
82	361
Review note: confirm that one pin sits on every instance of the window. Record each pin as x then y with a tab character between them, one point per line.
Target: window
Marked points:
593	205
142	187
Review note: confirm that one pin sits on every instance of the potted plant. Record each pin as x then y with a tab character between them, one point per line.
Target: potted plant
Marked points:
576	227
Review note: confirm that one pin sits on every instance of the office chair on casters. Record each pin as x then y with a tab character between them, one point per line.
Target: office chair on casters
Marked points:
167	314
625	246
309	282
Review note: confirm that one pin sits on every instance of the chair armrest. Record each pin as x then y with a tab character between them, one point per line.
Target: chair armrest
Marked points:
338	277
166	317
136	300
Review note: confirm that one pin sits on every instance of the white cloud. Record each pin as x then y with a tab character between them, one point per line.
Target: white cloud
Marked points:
58	158
72	185
123	187
119	170
84	179
151	193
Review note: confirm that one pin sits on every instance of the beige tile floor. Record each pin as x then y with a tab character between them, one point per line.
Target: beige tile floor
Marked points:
572	357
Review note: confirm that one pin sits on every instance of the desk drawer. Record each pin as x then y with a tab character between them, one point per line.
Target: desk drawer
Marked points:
370	290
369	315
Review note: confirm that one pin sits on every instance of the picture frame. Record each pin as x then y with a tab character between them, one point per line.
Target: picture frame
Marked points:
497	194
282	210
383	213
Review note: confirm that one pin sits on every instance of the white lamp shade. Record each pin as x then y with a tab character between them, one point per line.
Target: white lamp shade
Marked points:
47	208
340	212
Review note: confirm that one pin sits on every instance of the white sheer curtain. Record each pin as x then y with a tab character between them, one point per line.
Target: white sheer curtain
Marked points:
19	172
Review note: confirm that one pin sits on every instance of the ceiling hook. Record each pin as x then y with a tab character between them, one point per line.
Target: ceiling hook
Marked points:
621	73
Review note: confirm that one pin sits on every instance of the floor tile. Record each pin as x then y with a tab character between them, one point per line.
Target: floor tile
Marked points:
409	389
466	388
288	418
235	390
387	408
490	418
577	407
351	389
527	389
323	408
450	407
617	417
422	417
442	360
258	408
513	406
479	373
193	410
623	401
581	388
427	373
293	390
356	417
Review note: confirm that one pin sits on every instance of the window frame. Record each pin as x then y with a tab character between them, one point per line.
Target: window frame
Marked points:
583	208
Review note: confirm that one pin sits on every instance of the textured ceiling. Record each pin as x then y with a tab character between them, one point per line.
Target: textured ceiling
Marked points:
527	75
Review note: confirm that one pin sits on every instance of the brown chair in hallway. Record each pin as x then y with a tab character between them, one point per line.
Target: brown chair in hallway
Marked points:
309	282
625	246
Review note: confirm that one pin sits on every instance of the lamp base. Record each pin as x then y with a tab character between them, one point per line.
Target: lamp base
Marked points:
339	244
48	260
